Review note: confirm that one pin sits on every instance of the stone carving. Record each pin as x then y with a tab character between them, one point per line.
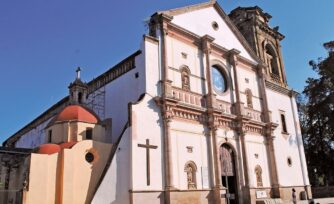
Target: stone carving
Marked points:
249	97
185	72
190	169
258	173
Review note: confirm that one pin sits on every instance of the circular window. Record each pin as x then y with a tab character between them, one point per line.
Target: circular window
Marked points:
218	79
215	25
89	157
289	161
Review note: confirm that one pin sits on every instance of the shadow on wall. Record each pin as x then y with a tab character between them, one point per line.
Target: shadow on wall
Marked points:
97	157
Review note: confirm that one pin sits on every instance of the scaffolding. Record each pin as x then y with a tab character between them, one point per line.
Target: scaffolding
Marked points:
96	102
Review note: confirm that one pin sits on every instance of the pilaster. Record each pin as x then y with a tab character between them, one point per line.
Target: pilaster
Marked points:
241	121
210	99
269	130
166	111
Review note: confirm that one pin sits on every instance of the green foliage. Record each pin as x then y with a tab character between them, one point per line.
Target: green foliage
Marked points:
317	119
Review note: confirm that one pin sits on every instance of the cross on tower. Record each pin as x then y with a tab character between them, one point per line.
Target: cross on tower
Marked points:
78	72
148	147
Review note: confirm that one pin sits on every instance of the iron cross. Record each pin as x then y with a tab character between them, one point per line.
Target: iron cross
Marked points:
148	147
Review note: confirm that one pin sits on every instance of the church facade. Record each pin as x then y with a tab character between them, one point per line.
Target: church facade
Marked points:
201	113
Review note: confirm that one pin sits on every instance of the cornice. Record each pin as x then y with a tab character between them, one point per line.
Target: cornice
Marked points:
277	88
269	30
150	39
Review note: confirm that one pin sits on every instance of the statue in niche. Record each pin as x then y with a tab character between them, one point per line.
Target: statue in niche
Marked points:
258	172
185	79
249	97
190	170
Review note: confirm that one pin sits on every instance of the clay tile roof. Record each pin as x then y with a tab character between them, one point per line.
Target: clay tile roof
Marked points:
48	149
76	113
67	145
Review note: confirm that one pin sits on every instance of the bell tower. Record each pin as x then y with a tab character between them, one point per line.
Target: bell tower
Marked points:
78	90
253	23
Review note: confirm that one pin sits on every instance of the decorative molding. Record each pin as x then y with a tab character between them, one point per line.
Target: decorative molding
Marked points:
264	27
151	39
277	88
113	73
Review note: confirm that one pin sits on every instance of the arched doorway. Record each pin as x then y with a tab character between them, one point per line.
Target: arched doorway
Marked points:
228	173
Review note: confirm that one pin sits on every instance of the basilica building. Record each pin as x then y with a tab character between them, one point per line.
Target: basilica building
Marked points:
200	114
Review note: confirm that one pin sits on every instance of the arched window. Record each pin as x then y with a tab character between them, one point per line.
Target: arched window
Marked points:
272	60
191	169
258	173
80	97
185	78
249	98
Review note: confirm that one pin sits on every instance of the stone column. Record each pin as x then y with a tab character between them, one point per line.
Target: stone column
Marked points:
270	126
239	109
210	98
280	58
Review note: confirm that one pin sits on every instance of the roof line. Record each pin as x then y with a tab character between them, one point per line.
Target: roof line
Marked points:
237	33
189	8
48	113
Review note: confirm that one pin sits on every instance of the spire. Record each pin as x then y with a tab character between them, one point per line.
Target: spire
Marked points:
78	90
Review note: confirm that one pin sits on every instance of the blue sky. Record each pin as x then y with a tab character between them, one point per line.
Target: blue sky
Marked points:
43	41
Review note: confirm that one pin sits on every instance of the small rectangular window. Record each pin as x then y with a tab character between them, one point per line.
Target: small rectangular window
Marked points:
50	136
89	133
283	123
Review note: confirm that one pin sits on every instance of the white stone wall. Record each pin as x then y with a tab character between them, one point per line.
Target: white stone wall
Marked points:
34	137
257	155
183	135
120	92
115	185
248	79
146	124
194	61
200	23
286	145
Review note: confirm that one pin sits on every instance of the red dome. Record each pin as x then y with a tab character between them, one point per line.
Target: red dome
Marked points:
48	149
76	113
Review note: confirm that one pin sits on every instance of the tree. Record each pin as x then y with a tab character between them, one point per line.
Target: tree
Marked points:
317	119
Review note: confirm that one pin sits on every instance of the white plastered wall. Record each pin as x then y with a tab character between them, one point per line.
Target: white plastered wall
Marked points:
288	175
183	135
248	79
200	23
114	187
120	92
146	124
127	171
194	61
34	137
257	155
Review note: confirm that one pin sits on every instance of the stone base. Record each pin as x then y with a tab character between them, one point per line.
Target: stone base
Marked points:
281	194
176	197
249	196
147	197
286	193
